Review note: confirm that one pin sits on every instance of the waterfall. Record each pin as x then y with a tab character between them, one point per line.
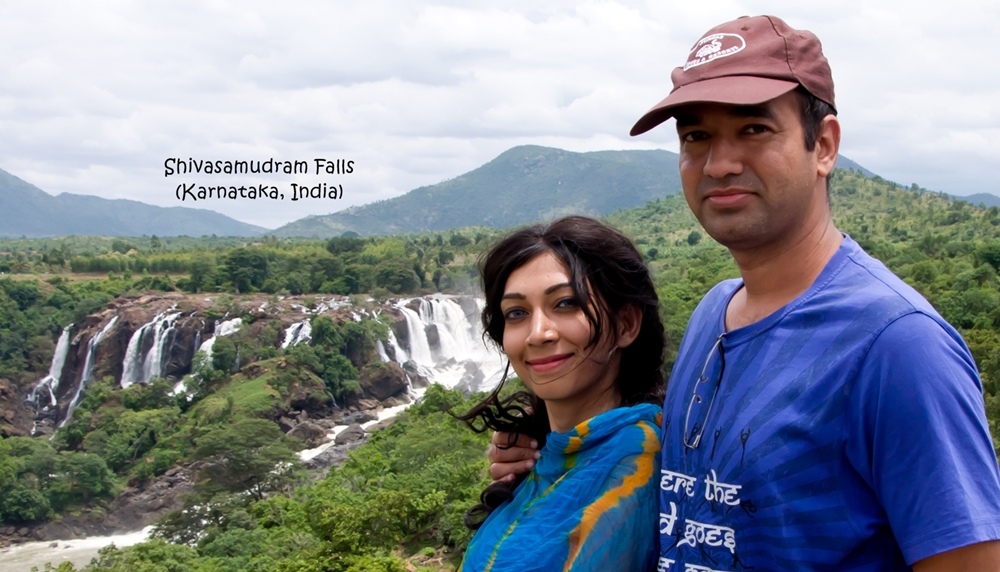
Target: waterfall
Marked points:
380	349
139	368
455	353
222	329
153	364
420	349
400	353
51	381
297	333
88	367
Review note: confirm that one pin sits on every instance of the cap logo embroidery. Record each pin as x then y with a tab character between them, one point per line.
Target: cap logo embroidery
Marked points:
714	47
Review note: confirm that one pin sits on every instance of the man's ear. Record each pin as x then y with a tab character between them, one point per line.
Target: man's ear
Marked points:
827	145
629	324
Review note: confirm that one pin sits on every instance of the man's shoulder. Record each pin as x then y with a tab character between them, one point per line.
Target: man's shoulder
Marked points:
864	289
860	285
871	278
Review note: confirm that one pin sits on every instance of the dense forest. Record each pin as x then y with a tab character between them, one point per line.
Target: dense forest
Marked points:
396	503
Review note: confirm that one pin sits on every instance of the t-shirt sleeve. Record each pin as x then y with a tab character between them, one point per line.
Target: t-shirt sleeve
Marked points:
921	439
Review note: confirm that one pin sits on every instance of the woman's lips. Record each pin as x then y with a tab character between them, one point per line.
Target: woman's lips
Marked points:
548	363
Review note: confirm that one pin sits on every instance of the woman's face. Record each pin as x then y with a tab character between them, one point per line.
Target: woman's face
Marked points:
546	335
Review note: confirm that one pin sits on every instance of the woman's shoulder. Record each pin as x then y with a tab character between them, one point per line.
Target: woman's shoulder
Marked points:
618	433
627	420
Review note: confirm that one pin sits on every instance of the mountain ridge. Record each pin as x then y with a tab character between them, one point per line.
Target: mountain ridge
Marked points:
521	185
26	210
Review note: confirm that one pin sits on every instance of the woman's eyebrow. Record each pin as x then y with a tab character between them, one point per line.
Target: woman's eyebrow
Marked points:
555	287
549	290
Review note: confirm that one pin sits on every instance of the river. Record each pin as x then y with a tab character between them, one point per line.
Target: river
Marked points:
21	557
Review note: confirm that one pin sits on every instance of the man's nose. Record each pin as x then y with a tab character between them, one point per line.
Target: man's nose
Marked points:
725	158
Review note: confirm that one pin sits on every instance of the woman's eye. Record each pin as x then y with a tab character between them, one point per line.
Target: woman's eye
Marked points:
566	303
514	314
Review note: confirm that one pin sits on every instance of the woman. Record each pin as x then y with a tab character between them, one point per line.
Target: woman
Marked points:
574	309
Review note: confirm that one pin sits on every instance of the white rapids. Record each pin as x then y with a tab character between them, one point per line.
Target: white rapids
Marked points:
21	557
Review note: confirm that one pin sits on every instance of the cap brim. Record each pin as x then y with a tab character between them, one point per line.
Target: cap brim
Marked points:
734	90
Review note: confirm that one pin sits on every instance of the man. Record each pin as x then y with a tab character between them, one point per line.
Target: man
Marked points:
820	414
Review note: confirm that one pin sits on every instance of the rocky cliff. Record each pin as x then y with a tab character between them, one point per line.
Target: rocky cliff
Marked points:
157	336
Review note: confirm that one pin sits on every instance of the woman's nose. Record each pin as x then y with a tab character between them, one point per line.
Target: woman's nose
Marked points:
542	329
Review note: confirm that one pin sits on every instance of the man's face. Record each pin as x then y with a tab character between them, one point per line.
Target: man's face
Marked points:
745	170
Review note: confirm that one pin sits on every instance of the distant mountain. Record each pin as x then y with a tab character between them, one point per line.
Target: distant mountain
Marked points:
523	184
845	163
26	210
985	199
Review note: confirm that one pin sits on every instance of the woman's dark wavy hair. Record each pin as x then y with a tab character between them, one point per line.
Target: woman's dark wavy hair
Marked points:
607	274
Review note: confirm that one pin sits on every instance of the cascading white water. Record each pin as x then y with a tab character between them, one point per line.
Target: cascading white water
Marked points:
380	350
297	333
400	353
459	349
222	329
139	368
51	381
153	364
88	368
419	350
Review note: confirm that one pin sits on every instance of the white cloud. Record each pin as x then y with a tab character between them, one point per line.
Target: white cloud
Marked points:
96	95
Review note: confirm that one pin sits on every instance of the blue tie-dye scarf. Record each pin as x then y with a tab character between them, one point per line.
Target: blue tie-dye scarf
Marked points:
589	505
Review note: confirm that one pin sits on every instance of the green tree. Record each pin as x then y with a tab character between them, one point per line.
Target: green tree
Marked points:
202	272
251	455
246	269
342	245
79	477
397	276
224	354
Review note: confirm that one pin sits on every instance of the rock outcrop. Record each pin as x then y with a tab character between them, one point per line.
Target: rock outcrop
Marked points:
383	380
309	433
15	418
352	434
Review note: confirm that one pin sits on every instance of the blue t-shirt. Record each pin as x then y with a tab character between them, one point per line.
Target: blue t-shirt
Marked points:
845	432
589	505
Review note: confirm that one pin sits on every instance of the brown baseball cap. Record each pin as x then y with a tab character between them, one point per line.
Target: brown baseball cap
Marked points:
746	62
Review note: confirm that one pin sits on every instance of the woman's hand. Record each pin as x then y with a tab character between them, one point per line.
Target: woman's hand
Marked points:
508	462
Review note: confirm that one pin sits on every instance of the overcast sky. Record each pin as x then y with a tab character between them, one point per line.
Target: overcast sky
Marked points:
94	96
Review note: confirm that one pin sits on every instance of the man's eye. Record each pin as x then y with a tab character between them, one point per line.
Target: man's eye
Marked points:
692	136
756	129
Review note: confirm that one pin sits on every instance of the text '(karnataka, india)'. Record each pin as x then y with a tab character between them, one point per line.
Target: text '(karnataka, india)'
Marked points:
330	169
